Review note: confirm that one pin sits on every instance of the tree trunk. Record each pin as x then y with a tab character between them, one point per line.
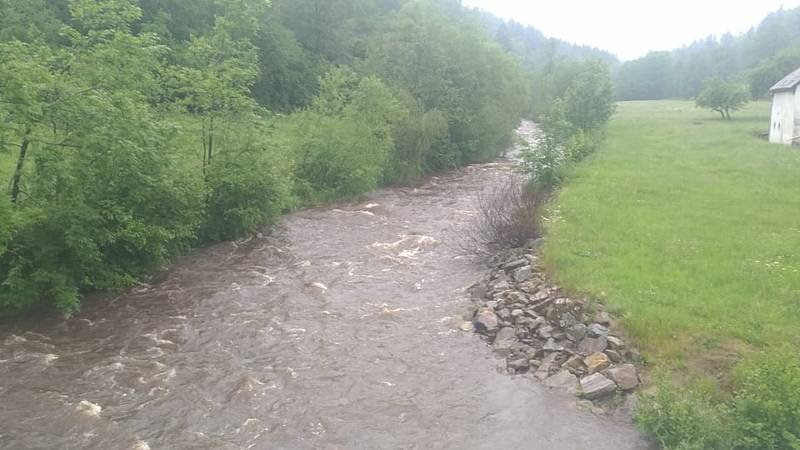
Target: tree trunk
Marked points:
17	178
721	113
728	114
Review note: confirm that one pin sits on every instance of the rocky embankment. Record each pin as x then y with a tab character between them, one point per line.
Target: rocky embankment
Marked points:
564	342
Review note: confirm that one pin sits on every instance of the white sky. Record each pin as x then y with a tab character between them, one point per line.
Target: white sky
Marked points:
631	28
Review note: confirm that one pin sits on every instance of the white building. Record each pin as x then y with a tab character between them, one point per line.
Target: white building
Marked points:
785	122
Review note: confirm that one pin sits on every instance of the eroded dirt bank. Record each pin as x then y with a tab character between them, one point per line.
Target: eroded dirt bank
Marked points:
341	331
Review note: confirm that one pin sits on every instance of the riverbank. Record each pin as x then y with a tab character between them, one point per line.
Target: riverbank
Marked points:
685	227
566	343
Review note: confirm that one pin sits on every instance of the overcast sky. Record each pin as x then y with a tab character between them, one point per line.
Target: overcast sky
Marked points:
631	28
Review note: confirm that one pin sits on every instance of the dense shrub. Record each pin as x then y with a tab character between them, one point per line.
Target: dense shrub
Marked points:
763	412
247	188
685	420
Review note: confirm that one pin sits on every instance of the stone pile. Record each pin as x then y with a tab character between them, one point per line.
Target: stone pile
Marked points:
540	331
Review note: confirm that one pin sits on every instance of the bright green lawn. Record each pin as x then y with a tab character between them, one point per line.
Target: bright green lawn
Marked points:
689	227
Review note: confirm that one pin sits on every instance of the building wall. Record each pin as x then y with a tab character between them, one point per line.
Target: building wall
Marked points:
796	128
782	122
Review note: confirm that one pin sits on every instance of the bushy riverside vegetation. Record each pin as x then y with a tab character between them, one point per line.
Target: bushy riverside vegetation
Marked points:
684	224
758	59
132	131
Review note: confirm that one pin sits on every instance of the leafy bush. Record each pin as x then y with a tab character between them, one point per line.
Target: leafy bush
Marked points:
763	413
341	145
685	420
767	401
544	160
248	188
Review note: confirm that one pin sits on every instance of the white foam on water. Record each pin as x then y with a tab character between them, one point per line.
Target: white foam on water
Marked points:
320	286
155	352
154	337
49	358
247	423
410	254
140	445
90	409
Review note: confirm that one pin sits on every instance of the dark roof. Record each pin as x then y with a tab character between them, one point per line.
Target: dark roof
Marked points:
788	83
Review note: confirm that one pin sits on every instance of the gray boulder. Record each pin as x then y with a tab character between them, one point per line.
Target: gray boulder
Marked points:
486	321
563	380
625	376
596	386
591	345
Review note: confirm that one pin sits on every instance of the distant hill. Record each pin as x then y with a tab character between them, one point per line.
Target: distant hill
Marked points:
533	48
760	57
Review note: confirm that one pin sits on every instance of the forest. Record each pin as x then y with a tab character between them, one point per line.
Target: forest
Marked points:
134	131
756	59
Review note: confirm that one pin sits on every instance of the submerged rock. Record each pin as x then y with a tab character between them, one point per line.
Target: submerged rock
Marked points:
467	327
519	364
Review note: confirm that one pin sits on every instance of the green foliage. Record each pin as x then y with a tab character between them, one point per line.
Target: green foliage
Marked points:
574	125
7	224
723	97
772	70
763	413
452	68
588	102
342	143
767	401
686	420
134	130
248	188
544	161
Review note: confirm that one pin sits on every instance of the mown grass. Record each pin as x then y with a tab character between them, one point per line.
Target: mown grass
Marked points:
687	226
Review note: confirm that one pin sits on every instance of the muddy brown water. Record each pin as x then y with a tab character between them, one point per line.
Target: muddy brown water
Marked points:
338	331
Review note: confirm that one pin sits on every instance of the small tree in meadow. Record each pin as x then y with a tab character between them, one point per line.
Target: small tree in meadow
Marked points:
723	96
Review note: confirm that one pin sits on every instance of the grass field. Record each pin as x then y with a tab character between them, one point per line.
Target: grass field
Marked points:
688	227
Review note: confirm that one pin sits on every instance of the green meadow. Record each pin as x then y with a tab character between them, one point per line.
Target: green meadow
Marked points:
688	227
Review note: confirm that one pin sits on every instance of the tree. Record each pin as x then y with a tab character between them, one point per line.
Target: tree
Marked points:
723	96
589	100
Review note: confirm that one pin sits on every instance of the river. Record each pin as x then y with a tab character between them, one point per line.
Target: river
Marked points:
337	330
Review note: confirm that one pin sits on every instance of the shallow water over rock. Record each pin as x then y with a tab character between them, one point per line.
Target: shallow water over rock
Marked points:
341	330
